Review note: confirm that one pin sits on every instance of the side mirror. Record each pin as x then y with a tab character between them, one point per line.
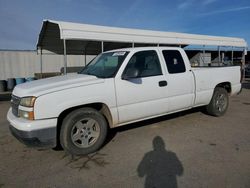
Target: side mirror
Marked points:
130	73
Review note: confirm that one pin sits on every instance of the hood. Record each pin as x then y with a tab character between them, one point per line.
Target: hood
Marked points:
53	84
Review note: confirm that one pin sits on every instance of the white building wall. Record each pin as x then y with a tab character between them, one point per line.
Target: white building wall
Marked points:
14	64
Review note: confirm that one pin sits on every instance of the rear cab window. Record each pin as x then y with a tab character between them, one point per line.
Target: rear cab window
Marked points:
174	61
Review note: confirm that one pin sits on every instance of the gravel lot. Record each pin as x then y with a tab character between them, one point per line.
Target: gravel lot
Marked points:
188	149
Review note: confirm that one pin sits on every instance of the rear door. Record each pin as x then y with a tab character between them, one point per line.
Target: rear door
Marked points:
180	88
143	96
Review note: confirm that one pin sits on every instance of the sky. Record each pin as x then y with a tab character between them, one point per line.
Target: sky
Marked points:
21	20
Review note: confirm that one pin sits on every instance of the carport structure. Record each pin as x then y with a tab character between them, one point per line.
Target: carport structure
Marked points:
83	39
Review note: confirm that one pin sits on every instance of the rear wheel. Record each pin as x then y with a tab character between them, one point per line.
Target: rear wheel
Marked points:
219	102
83	131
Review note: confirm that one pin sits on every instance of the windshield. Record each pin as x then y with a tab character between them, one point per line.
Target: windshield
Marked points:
105	65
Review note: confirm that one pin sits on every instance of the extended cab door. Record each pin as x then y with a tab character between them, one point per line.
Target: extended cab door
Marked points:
180	88
142	96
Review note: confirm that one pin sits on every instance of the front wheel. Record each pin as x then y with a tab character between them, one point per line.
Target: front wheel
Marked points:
83	131
219	102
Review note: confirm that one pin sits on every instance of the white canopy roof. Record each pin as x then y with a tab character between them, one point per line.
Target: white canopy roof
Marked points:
79	37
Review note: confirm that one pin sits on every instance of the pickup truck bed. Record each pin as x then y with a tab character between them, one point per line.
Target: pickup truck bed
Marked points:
206	78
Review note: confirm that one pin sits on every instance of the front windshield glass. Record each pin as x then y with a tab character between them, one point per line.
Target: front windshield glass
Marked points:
105	65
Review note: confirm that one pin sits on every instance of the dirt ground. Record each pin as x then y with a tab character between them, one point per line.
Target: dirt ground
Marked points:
188	149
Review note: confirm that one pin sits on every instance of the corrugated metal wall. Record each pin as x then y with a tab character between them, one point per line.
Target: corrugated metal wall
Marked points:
14	64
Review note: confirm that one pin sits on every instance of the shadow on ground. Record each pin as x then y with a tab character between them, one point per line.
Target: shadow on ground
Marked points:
114	131
160	167
6	96
246	85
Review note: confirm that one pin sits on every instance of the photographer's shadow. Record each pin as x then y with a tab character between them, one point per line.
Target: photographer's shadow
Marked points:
160	167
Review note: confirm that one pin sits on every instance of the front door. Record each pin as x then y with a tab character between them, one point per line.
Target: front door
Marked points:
143	96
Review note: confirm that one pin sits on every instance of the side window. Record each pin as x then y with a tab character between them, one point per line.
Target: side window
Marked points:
174	61
146	62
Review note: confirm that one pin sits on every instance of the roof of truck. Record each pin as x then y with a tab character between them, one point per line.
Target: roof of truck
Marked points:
53	32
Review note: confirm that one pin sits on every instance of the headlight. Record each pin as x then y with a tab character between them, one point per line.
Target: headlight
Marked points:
27	101
25	109
26	114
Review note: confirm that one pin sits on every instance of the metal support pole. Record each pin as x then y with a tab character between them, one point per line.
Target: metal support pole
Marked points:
243	64
133	44
85	53
158	44
203	56
41	60
219	55
65	56
232	59
85	58
102	46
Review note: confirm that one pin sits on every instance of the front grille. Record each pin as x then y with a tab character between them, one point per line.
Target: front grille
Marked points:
15	101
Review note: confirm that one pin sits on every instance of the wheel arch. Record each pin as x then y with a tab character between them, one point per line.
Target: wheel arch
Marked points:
101	107
226	86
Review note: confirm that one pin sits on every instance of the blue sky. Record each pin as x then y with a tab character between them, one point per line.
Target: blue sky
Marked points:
21	20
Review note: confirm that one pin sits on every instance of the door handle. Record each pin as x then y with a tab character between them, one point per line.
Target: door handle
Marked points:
163	83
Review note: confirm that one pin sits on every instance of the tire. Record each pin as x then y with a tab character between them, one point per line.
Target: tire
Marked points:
83	131
219	102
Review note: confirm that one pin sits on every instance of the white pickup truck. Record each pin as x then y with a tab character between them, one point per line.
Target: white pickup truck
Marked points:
116	88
